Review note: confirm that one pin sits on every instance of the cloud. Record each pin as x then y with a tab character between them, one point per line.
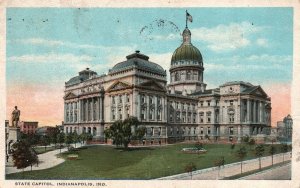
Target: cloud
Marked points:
262	42
59	43
226	37
50	58
236	63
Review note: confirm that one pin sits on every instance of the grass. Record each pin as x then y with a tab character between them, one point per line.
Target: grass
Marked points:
255	171
107	162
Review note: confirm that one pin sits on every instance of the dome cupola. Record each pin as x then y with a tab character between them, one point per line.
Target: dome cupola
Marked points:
186	51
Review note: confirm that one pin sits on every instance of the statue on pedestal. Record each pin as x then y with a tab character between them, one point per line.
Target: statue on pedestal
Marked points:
15	117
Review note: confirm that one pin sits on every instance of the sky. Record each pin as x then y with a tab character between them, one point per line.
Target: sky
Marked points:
45	47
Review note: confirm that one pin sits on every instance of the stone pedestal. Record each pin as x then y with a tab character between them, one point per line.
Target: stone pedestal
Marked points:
13	136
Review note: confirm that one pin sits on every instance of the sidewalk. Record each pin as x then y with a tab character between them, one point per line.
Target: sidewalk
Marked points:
47	160
229	169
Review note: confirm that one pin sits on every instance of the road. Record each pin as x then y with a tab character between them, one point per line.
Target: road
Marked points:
277	173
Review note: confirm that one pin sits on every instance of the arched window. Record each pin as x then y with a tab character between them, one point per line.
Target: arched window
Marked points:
177	76
188	75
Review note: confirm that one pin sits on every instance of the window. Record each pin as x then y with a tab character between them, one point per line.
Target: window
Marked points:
194	118
201	103
177	76
231	130
158	100
113	99
208	114
151	115
194	130
188	75
231	102
231	116
208	130
177	106
113	114
188	106
193	106
171	131
120	99
177	131
127	98
189	130
143	114
150	100
171	117
127	111
183	117
217	102
158	114
201	117
159	131
67	130
208	103
189	117
178	116
142	99
201	130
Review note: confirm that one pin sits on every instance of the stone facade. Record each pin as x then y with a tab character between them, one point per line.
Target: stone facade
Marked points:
285	129
182	110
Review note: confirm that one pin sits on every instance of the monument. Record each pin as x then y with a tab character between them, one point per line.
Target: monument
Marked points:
14	129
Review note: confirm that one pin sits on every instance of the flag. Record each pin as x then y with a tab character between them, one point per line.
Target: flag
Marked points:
189	17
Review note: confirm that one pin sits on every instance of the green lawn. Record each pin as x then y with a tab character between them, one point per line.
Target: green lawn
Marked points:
106	162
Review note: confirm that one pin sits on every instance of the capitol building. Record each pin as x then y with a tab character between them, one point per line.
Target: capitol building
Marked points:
181	110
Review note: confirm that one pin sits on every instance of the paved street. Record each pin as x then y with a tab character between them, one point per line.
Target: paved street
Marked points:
47	160
278	173
230	169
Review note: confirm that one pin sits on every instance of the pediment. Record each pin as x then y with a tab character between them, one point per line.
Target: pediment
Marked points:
152	85
259	92
70	95
118	86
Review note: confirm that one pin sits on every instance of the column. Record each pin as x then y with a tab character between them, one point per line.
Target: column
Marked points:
138	112
155	108
239	133
133	104
148	107
93	102
123	110
73	111
87	110
65	112
254	111
79	111
101	112
248	110
261	112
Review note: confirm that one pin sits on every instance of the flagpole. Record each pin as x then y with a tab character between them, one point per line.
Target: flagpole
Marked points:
185	18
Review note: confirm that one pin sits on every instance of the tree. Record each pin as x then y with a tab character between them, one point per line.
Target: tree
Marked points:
189	168
246	139
241	153
53	135
45	141
272	151
251	143
76	138
232	146
69	139
284	149
23	155
140	132
259	152
218	163
60	139
121	134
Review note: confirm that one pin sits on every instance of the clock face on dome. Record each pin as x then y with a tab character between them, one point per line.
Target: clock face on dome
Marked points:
230	89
